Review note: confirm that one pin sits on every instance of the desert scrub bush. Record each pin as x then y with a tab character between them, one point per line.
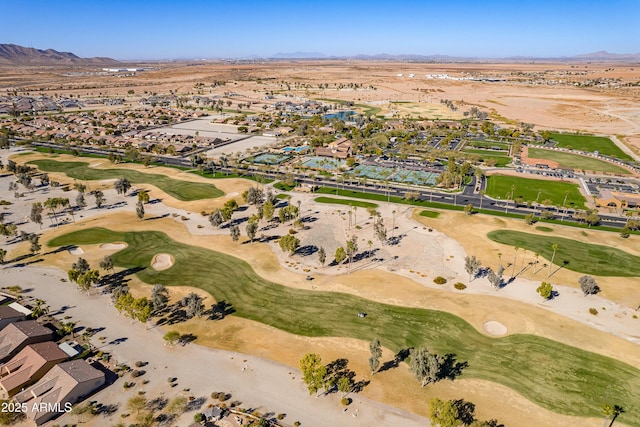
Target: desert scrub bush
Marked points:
439	280
593	311
345	401
460	286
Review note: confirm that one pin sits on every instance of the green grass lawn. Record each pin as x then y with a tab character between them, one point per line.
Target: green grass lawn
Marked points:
357	203
561	378
181	190
430	214
485	155
589	143
576	161
500	187
582	257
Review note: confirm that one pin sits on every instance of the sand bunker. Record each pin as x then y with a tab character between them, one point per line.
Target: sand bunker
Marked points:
161	262
76	250
113	246
495	328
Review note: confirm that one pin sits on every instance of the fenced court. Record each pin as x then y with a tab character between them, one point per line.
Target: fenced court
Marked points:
401	175
325	163
269	159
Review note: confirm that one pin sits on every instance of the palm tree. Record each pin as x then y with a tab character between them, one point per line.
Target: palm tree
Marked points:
39	309
611	412
555	248
514	260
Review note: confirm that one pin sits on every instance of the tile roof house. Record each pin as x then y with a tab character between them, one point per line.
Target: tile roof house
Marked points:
63	385
16	336
9	315
28	366
340	148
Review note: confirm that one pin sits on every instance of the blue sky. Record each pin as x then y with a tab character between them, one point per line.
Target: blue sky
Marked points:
160	29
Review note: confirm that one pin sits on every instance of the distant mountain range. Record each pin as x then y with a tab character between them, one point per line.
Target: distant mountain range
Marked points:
11	54
601	56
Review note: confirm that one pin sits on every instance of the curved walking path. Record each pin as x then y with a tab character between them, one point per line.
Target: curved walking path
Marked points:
256	382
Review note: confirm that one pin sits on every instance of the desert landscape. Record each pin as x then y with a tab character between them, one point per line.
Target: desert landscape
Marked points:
429	230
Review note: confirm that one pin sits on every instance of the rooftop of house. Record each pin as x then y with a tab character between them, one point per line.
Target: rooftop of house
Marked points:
15	334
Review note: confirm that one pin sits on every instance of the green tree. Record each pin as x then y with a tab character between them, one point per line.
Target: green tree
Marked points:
80	201
425	365
443	413
588	285
235	232
100	199
289	243
193	305
3	254
545	290
468	209
252	228
172	337
140	210
313	372
143	196
122	185
472	266
352	248
376	352
268	210
216	218
322	256
159	297
106	264
340	255
36	213
345	385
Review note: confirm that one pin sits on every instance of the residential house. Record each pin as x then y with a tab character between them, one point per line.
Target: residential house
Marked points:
9	315
340	148
28	366
64	384
15	336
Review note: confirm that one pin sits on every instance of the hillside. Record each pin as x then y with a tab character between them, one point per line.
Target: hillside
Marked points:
11	54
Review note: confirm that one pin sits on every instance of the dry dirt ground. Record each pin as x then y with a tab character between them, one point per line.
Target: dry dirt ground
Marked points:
407	281
540	93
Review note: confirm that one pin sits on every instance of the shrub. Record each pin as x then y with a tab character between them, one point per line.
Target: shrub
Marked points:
127	385
593	311
280	416
439	280
292	231
198	418
136	373
215	395
296	424
345	401
460	286
139	364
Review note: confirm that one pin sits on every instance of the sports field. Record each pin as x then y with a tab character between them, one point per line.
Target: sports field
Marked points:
576	161
561	378
500	187
179	189
500	157
589	143
579	256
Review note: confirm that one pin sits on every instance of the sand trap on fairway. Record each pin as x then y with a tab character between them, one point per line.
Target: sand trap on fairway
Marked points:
76	250
161	262
113	246
495	328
